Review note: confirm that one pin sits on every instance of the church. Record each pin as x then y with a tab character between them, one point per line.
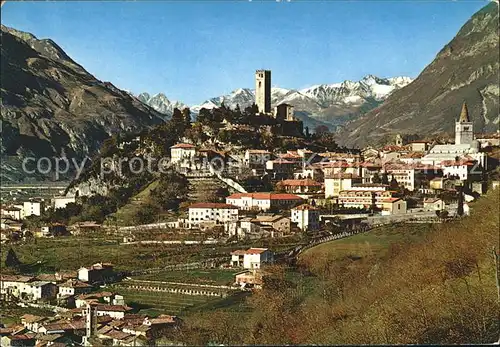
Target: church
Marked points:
465	144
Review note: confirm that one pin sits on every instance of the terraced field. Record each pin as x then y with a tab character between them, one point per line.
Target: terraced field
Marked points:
155	303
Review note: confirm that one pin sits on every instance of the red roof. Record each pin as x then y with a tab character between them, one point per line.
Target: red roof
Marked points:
391	200
183	145
265	196
212	205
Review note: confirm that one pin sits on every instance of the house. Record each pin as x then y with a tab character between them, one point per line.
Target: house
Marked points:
39	290
256	158
434	204
284	112
419	146
299	186
54	229
366	199
73	287
33	207
114	311
13	212
280	168
392	206
14	285
252	258
335	183
105	297
32	322
306	217
277	222
99	272
86	227
215	212
249	279
462	169
263	201
181	152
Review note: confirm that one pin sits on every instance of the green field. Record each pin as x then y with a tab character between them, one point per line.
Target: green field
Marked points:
375	242
209	276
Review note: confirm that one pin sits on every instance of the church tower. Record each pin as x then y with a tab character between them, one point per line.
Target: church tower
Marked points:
464	133
263	90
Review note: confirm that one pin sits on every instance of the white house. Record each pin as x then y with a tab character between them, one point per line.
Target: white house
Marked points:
182	151
14	285
13	212
252	258
335	183
463	169
263	201
33	207
433	204
257	157
212	212
73	287
306	217
114	311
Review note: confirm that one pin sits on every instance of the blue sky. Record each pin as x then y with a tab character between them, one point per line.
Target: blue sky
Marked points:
194	50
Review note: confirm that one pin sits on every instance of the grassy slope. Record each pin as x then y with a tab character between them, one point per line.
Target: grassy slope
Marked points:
399	285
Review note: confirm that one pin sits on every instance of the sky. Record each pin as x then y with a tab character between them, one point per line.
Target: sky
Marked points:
194	50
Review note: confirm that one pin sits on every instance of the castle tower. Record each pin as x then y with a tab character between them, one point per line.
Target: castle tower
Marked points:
464	132
399	140
263	90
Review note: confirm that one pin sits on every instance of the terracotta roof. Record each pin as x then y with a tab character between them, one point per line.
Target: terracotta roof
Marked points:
75	284
458	163
390	199
16	278
265	196
282	161
305	207
113	308
212	205
300	183
183	145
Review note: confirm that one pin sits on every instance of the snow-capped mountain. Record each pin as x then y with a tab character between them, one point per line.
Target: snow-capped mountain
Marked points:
325	102
161	103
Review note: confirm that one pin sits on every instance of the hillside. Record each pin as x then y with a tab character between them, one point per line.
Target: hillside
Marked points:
402	284
466	69
52	107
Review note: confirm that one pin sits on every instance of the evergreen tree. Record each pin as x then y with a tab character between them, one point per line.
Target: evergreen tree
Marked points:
12	260
385	178
186	114
460	208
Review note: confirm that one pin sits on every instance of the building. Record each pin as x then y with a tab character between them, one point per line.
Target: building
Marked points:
462	169
114	311
33	208
300	186
277	222
464	134
393	206
73	287
62	201
263	91
39	290
306	217
434	204
13	212
263	201
181	152
249	279
465	145
14	285
366	199
256	158
281	168
97	273
398	140
211	212
284	112
252	258
335	183
419	146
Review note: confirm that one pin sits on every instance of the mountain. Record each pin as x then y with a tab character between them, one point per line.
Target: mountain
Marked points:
324	104
161	103
466	69
52	107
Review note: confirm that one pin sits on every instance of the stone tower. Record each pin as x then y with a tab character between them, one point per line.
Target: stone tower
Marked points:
399	140
263	90
464	132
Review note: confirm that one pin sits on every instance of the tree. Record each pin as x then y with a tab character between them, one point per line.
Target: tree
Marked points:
186	114
385	178
146	214
376	178
12	260
460	208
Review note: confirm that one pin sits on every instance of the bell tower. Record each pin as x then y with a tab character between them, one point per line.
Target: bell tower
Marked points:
464	131
263	90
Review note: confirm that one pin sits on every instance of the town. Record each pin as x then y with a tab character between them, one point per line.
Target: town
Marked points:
310	197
